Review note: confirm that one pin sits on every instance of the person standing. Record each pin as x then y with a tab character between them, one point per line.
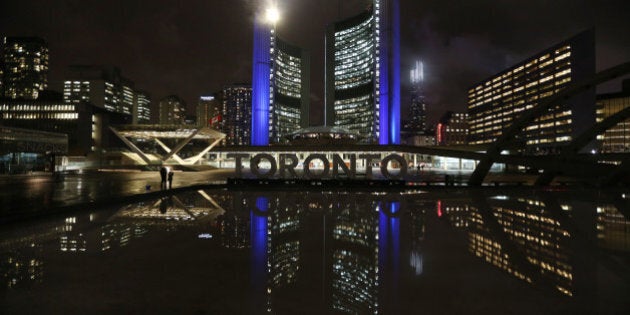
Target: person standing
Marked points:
170	179
162	176
163	171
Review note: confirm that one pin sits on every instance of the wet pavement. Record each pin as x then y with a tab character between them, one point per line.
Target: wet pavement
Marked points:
297	251
21	195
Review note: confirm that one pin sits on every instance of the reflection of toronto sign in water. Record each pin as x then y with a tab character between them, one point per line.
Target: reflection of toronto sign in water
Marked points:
287	164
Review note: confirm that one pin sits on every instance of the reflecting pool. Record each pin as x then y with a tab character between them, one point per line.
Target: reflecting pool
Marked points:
487	251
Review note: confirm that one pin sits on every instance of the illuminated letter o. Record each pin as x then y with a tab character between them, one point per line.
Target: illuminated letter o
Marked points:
309	159
400	160
253	165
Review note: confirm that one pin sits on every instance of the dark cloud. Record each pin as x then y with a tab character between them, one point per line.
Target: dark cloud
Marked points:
194	47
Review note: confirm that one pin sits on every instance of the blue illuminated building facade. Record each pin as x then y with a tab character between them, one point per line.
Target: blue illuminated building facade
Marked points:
280	87
363	73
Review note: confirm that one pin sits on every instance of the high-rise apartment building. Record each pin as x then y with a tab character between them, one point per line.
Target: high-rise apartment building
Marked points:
142	108
280	86
452	129
172	110
103	86
209	110
495	103
617	138
1	77
25	67
363	73
236	102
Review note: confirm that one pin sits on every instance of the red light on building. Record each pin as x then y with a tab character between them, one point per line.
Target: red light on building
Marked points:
439	209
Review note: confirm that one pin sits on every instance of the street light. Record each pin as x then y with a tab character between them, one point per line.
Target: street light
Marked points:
273	15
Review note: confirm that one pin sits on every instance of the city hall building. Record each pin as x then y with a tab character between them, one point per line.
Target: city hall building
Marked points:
363	73
280	86
495	103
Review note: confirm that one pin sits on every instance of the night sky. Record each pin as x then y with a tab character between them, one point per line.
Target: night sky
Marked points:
193	47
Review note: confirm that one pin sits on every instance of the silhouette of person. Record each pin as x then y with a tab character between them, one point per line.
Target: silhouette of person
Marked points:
163	172
170	179
163	205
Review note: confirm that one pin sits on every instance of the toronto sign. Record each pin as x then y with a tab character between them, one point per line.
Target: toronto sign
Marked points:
286	165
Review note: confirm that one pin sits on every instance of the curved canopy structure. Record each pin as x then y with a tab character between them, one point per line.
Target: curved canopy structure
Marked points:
183	133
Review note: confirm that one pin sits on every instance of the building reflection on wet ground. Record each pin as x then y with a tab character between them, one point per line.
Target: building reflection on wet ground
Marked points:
361	252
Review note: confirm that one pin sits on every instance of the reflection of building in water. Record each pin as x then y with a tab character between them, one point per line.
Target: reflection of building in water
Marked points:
234	231
545	243
72	241
613	230
21	252
285	241
22	268
167	211
355	259
286	237
233	226
522	238
275	246
417	217
120	234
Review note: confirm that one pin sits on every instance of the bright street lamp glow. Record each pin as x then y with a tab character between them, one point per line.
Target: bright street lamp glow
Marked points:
273	15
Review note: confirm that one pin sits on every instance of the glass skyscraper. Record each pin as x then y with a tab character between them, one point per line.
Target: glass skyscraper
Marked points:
289	104
363	73
236	104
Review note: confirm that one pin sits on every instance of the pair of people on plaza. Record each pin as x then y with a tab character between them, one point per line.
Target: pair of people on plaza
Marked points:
166	173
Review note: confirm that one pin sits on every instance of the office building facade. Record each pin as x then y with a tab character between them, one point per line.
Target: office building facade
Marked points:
499	100
172	110
236	112
24	150
280	87
85	125
452	129
363	73
25	72
289	106
617	138
105	87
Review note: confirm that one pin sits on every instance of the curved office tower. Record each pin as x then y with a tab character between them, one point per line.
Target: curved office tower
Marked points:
363	73
289	104
280	87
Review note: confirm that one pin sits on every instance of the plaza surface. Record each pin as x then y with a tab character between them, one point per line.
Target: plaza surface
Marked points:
292	250
116	242
33	194
39	193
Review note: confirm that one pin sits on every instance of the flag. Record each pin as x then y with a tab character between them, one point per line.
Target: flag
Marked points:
215	120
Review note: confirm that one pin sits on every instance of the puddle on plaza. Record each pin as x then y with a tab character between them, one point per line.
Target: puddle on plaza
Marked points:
357	252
